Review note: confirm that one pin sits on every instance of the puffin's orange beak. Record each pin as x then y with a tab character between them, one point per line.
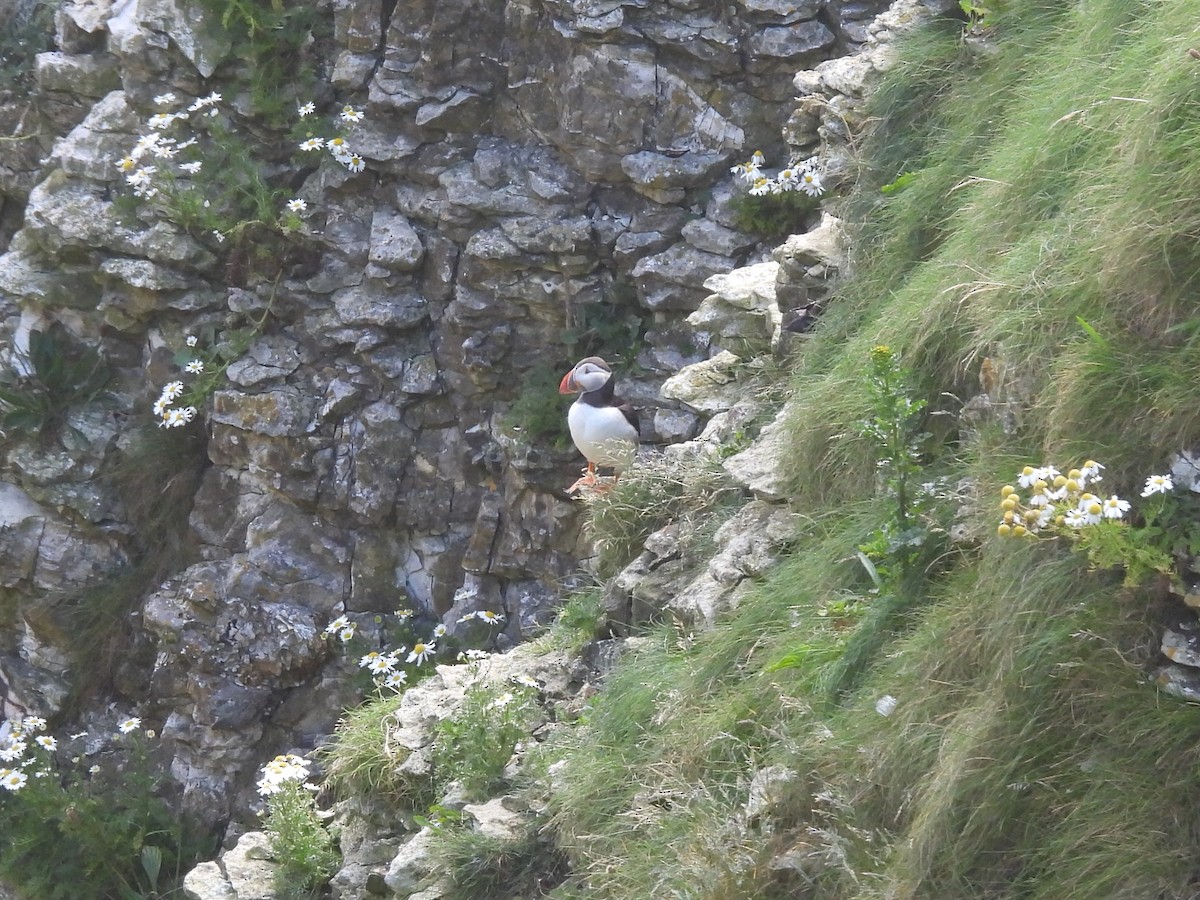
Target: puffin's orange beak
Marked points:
567	385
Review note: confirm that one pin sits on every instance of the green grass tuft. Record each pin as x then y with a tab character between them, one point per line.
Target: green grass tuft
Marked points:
361	761
655	493
477	866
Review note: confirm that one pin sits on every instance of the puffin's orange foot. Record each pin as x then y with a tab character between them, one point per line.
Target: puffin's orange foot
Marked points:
587	481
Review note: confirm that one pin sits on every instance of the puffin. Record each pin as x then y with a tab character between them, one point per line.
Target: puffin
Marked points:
603	427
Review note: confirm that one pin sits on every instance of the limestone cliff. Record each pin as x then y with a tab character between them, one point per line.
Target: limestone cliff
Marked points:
541	180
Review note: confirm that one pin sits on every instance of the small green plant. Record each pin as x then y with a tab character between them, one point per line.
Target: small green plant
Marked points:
362	761
474	745
780	205
271	39
773	215
578	619
654	494
194	167
612	330
154	477
1059	505
979	16
68	833
26	29
304	850
439	816
893	426
535	414
898	184
479	866
56	376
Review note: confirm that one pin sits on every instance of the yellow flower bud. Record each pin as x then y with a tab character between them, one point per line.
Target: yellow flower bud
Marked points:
1094	508
1059	480
1009	517
1031	515
1020	531
1074	474
1090	464
1009	503
1004	531
1087	496
1060	520
1028	470
1039	485
1007	489
1072	485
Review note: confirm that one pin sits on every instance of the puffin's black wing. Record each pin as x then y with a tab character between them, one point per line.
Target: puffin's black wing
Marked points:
605	396
630	414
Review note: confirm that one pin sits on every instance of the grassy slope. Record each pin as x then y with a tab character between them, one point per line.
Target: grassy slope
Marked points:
1056	179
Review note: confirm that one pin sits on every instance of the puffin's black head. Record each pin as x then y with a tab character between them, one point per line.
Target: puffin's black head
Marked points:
589	374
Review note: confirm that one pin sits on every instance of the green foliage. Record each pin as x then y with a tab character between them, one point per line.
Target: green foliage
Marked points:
62	375
611	330
362	761
270	39
235	201
1115	545
474	745
217	357
478	866
578	620
980	16
774	215
900	183
26	29
538	414
76	835
690	493
303	849
893	427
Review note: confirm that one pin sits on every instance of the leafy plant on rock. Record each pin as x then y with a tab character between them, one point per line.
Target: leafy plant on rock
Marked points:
305	855
55	376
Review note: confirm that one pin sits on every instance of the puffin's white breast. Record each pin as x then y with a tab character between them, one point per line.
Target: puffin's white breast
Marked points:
603	435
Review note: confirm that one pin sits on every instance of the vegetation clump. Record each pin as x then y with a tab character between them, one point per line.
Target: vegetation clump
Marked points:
83	817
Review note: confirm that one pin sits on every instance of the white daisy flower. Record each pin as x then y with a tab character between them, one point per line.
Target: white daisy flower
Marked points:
421	651
1158	484
1115	507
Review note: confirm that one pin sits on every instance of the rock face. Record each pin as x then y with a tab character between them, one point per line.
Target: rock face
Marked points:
543	180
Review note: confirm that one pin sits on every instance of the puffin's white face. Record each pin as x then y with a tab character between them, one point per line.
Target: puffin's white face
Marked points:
589	377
